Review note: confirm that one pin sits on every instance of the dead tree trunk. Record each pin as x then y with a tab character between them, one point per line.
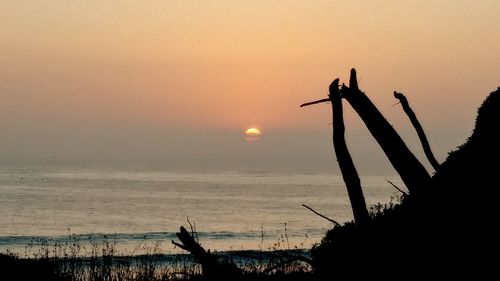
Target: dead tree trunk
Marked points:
418	127
211	267
349	173
412	172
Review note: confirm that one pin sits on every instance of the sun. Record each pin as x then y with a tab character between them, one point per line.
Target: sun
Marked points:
252	131
252	134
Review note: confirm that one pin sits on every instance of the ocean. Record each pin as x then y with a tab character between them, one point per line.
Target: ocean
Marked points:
228	211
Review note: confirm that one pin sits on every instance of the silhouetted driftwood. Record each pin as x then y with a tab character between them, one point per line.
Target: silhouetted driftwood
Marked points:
412	172
349	173
210	265
418	127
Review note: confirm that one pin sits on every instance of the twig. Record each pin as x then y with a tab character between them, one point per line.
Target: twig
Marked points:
194	234
323	216
315	102
396	187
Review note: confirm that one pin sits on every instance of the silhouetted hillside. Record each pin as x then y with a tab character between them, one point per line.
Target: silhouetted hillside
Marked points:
448	230
477	160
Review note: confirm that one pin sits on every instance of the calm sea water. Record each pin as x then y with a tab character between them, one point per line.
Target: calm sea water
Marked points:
231	211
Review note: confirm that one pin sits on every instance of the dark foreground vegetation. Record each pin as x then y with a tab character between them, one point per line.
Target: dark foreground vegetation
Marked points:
251	265
445	226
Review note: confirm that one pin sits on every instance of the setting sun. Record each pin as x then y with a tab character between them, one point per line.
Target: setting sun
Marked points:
252	134
252	131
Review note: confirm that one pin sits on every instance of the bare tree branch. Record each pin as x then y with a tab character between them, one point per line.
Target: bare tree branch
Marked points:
314	102
349	173
396	187
418	127
323	216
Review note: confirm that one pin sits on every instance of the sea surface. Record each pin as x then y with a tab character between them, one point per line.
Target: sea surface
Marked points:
228	211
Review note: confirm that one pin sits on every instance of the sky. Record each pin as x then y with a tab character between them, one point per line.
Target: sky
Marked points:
174	84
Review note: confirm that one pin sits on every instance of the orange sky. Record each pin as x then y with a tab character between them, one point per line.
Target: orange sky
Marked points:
205	66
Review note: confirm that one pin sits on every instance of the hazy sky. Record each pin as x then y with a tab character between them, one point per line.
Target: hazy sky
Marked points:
174	84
